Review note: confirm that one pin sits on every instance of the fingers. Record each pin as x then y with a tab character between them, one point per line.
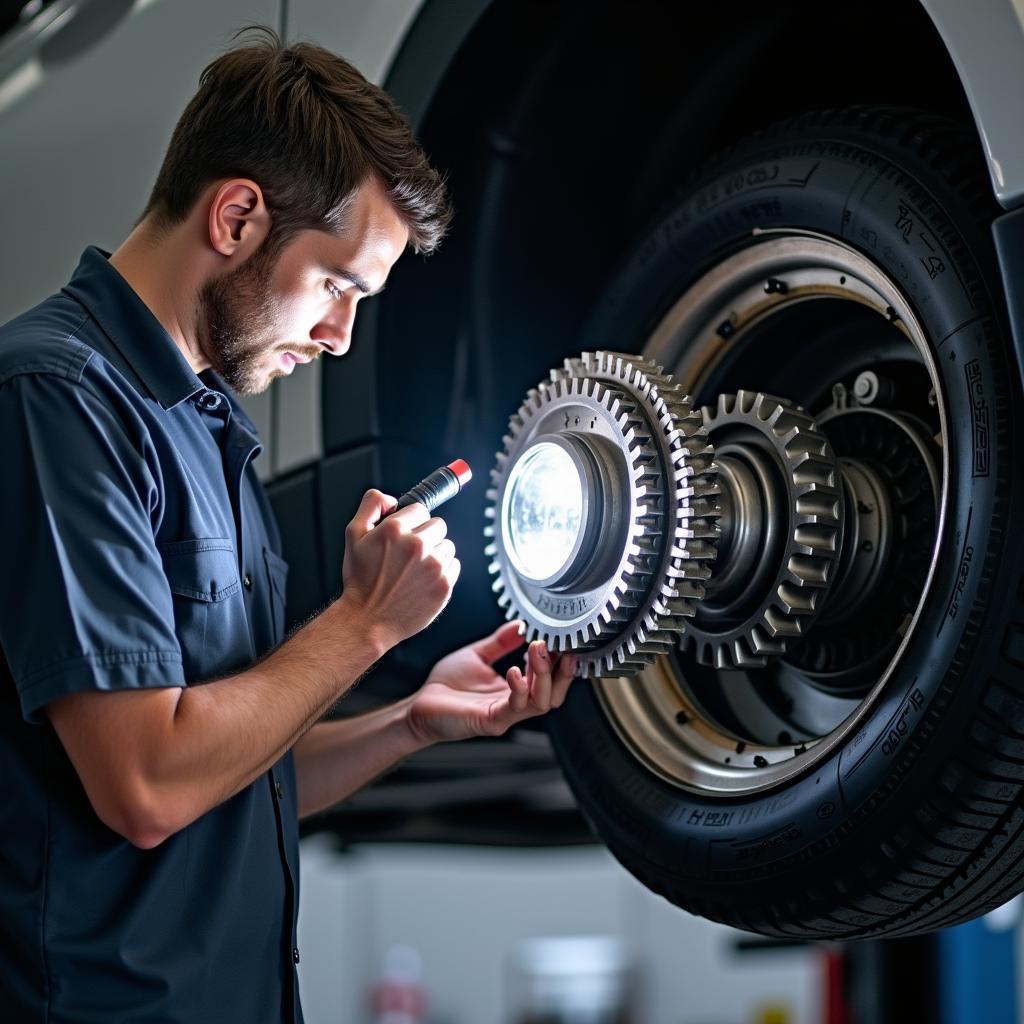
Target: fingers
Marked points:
504	640
538	690
519	690
411	516
422	536
444	552
372	508
548	685
451	572
538	672
432	532
399	565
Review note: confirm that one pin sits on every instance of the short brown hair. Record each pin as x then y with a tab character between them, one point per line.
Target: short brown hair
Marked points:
309	129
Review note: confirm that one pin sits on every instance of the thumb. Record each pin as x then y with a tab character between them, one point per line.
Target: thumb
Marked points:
502	641
374	506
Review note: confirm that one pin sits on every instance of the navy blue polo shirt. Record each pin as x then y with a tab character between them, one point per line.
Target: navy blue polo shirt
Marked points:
139	550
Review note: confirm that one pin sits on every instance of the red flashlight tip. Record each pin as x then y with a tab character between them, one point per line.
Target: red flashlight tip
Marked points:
461	469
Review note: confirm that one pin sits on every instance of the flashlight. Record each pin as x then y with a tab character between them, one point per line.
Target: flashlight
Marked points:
436	489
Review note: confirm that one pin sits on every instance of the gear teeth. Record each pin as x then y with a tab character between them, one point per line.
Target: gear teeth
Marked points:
701	550
797	600
810	571
819	506
699	464
671	542
700	508
816	530
682	569
703	487
819	540
781	624
745	658
761	642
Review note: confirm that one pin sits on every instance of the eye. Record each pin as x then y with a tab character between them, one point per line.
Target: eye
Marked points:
333	290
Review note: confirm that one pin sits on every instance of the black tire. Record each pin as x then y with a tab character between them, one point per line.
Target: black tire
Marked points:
880	838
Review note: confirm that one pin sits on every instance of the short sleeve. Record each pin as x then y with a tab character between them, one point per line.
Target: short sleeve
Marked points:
84	602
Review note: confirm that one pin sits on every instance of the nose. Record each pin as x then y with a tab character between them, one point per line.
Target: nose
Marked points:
334	332
337	344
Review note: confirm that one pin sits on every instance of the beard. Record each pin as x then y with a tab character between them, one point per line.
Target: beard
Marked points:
236	323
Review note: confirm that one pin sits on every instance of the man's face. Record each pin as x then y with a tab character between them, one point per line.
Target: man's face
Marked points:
256	322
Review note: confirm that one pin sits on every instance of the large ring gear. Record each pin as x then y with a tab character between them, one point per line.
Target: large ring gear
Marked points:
626	523
642	555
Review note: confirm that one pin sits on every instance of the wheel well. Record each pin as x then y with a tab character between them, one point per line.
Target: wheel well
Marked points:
563	129
652	89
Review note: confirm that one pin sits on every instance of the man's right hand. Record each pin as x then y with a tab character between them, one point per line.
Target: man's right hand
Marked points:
399	571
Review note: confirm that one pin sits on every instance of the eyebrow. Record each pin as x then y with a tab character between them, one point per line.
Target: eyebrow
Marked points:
353	278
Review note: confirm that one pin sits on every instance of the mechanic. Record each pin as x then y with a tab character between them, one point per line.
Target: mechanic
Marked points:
148	847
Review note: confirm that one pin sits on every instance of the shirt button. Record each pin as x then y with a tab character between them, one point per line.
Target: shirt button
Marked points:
247	581
295	955
209	400
279	789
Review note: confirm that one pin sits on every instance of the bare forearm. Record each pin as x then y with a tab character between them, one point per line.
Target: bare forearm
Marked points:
226	733
153	760
335	759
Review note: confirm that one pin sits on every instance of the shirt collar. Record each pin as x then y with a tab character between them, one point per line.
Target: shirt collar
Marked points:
213	380
133	329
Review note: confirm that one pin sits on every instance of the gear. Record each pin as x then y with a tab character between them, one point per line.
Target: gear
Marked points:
901	455
651	553
790	569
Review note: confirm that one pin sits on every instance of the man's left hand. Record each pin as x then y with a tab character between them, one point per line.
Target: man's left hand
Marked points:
463	695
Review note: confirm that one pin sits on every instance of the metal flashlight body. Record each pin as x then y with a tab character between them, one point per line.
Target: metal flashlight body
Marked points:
443	484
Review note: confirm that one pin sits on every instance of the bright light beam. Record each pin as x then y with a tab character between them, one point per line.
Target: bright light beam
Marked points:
543	511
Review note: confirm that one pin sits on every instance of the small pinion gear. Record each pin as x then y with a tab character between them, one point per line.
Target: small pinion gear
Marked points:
652	565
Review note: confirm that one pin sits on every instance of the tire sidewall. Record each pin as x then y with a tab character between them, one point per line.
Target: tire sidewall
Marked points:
860	794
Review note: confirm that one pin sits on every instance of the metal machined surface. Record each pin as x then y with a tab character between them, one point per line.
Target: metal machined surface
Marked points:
633	584
664	714
800	494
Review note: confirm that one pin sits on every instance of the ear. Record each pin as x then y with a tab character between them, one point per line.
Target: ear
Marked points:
238	219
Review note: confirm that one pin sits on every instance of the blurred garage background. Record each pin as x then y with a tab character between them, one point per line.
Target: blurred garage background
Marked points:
451	904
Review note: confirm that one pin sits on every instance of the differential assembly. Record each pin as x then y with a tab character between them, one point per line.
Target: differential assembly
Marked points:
626	523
